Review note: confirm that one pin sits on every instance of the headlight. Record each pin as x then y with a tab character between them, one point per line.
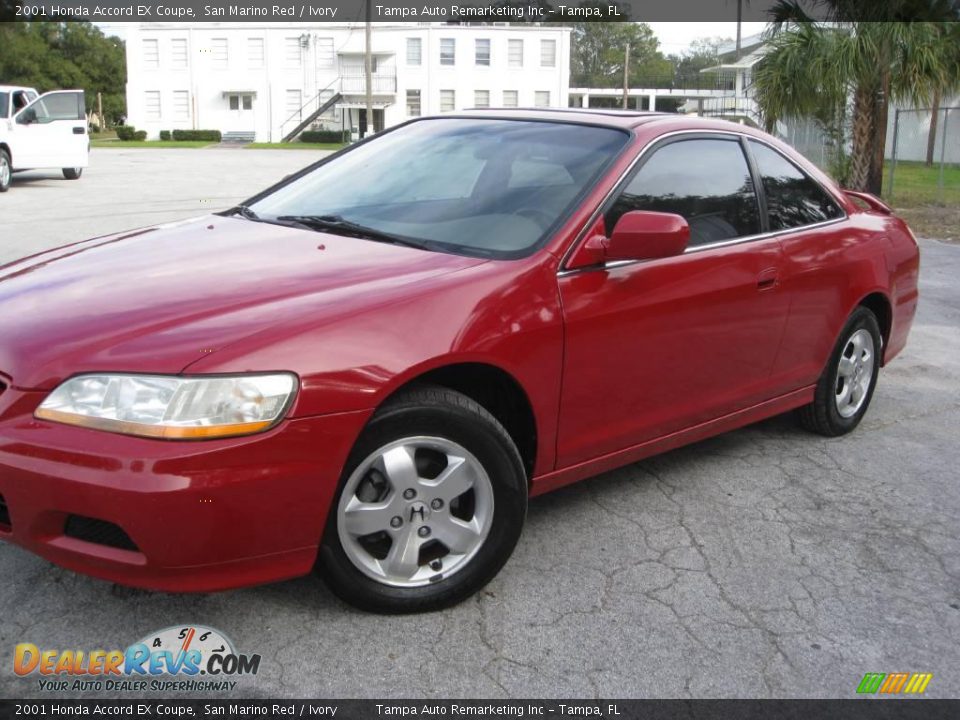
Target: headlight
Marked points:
171	407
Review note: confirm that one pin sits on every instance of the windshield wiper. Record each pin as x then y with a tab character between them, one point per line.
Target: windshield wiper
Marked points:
340	226
244	211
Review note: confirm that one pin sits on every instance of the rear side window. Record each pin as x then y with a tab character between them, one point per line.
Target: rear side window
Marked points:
793	199
707	181
4	104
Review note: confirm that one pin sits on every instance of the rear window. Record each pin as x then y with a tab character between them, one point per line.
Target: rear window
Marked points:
793	199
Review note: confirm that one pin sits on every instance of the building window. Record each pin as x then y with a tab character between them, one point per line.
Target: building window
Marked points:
220	51
548	53
448	51
255	53
178	53
541	98
413	103
151	104
515	53
181	104
481	98
292	53
448	100
238	101
510	98
325	55
294	102
482	52
151	54
414	51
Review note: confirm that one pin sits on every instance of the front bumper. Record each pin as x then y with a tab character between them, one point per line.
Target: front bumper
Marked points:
199	515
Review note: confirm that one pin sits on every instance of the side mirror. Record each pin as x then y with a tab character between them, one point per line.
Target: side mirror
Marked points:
27	117
641	235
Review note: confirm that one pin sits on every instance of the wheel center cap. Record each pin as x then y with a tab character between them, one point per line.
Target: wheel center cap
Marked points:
418	511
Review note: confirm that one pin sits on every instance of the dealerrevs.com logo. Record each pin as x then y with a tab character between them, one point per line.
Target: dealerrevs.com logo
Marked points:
181	658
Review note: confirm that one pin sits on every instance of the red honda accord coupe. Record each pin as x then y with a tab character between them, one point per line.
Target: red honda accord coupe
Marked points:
371	366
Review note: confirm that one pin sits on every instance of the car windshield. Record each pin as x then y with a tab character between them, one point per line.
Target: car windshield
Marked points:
493	188
4	104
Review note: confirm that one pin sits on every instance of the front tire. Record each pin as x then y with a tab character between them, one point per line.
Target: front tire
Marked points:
431	504
72	173
846	386
6	171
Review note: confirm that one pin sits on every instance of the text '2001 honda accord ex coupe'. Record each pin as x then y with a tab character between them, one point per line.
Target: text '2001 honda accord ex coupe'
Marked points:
371	366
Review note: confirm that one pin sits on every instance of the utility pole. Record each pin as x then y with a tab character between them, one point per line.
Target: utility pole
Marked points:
100	120
739	18
368	68
626	78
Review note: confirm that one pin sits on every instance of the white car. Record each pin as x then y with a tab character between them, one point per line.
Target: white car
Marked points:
42	131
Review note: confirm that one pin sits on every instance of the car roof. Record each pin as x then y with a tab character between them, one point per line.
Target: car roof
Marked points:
625	119
14	88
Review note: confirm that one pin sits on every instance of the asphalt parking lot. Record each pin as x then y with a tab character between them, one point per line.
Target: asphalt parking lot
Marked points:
765	562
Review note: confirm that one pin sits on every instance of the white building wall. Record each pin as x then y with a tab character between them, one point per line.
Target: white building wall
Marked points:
157	63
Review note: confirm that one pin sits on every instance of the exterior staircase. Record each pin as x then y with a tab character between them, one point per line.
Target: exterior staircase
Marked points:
305	123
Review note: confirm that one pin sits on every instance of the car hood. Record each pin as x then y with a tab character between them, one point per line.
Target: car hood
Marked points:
159	299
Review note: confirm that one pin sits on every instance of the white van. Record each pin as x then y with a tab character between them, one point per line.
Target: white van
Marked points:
42	131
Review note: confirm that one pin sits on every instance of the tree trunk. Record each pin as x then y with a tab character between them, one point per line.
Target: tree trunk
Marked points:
862	131
881	110
934	119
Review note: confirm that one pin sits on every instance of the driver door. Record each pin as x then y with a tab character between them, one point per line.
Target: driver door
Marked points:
52	132
657	346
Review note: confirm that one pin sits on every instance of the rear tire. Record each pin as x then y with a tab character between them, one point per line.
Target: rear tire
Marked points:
846	386
6	171
72	173
403	534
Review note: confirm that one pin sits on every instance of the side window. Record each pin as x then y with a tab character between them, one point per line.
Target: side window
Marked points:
793	199
54	106
708	182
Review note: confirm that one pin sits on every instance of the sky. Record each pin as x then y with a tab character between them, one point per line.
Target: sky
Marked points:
674	37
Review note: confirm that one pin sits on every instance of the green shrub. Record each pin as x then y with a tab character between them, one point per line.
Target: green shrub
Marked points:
126	132
324	136
164	134
94	128
140	135
208	135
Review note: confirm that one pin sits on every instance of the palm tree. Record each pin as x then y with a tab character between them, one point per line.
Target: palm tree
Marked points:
818	70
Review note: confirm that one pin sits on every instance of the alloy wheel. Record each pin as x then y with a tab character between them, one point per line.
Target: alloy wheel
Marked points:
415	511
854	373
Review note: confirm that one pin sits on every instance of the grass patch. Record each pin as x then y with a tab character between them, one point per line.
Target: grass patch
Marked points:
931	211
294	146
916	184
149	143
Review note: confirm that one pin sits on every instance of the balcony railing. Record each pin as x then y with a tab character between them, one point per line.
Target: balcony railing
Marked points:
353	84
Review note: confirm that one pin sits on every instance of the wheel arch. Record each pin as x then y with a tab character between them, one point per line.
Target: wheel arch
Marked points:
878	303
496	390
6	147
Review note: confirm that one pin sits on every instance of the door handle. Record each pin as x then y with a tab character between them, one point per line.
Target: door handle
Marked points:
767	279
78	131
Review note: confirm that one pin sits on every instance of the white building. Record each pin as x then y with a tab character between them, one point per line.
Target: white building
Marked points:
264	81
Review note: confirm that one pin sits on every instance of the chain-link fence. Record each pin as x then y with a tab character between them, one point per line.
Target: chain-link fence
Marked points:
923	157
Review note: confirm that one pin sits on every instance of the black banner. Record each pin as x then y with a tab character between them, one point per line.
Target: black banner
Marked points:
860	709
320	11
